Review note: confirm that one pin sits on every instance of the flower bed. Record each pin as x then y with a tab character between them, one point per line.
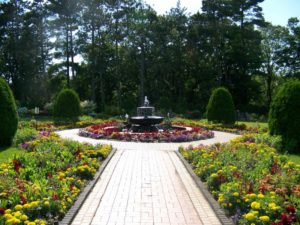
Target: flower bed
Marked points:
250	180
40	186
112	130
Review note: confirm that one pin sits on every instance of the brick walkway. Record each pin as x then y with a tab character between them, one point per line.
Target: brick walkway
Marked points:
145	183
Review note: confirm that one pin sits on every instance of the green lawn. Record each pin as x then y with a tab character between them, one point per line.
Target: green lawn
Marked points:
9	153
253	124
249	124
294	158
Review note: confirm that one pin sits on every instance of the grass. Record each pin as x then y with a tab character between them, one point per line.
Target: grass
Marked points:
254	124
248	124
9	153
294	158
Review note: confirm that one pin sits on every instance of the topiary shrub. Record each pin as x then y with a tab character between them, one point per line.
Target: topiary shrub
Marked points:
220	108
284	116
8	114
66	106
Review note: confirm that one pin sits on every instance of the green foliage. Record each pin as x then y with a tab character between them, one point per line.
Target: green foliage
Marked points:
67	106
88	107
220	108
24	135
8	114
284	116
9	153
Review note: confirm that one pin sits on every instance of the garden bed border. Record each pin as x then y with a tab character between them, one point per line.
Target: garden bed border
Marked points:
212	202
70	215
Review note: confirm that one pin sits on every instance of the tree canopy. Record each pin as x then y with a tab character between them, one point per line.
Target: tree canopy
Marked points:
115	52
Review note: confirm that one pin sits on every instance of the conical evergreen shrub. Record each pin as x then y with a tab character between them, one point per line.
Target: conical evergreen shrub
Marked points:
67	106
220	108
8	114
284	116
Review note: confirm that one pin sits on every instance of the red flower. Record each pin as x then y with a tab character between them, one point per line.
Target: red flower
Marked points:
23	200
17	165
291	209
55	196
50	175
2	211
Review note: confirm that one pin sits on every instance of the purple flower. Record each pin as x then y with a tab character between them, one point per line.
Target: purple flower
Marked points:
24	145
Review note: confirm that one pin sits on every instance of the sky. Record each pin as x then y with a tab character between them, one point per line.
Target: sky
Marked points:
276	11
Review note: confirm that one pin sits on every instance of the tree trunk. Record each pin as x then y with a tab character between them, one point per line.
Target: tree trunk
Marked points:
72	51
68	55
93	82
269	85
142	75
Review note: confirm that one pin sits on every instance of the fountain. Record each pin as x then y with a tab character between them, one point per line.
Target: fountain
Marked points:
145	121
145	127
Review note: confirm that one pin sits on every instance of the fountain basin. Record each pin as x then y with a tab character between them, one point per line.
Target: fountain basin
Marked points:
146	120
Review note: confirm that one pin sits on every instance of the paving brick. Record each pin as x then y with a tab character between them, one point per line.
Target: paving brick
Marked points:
145	183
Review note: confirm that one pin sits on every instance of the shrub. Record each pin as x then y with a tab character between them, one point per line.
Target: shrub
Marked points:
22	110
66	106
8	114
284	116
220	108
88	107
48	107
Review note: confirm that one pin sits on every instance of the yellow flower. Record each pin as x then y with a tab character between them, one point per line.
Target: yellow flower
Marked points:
235	194
34	204
18	207
255	205
31	223
272	205
249	216
264	218
3	194
260	196
24	218
8	216
46	203
26	206
214	175
17	214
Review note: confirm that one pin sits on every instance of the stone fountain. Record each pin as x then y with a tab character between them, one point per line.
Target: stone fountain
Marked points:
145	121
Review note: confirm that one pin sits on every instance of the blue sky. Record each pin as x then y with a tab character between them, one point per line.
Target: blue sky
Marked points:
276	11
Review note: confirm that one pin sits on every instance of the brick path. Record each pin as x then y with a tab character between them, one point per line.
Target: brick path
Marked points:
145	183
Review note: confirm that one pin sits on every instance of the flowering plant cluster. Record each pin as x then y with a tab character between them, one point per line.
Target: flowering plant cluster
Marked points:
111	130
39	186
253	183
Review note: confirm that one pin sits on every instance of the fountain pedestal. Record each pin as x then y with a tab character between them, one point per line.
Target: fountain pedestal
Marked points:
145	121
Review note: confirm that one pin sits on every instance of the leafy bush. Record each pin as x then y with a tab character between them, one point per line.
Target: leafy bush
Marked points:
22	110
250	181
284	116
88	107
24	135
48	107
67	106
113	110
220	108
8	114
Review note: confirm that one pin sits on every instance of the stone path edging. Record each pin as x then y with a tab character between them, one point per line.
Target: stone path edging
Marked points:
68	218
213	203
